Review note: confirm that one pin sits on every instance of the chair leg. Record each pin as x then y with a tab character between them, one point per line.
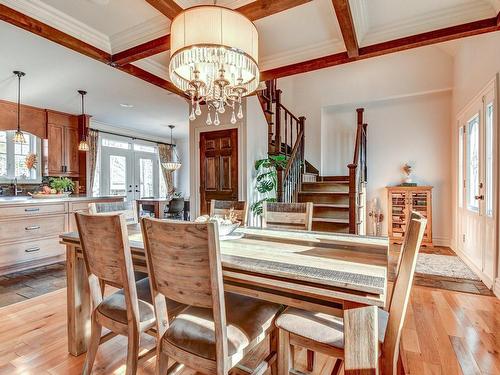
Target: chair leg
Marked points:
132	351
310	360
284	365
161	361
95	339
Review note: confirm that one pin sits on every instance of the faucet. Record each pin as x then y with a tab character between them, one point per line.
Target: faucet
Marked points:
15	189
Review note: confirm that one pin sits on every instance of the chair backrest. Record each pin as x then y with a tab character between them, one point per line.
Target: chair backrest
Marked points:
222	208
128	208
287	215
184	264
175	205
401	292
107	256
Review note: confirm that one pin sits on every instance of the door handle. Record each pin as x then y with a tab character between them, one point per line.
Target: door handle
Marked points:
479	197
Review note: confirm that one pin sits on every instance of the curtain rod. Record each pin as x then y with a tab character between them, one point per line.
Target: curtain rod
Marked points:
133	138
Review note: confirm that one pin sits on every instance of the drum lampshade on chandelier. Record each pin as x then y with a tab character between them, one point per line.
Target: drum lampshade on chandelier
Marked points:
214	56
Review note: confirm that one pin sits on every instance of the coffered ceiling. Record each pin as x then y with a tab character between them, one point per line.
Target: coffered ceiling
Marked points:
295	36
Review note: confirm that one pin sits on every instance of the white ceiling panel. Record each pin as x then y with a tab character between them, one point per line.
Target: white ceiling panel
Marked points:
55	73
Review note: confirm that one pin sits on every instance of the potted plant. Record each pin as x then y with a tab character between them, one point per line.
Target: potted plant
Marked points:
61	184
267	180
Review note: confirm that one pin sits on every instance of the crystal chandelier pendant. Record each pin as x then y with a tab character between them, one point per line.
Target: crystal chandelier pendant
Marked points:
209	119
240	112
233	118
192	116
216	121
198	109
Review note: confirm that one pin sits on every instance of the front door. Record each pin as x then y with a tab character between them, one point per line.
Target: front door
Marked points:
218	167
477	214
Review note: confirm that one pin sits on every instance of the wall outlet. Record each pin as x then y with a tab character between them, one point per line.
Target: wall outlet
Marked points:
463	237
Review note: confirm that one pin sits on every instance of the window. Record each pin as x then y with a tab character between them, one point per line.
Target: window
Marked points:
461	181
473	163
106	142
489	159
13	158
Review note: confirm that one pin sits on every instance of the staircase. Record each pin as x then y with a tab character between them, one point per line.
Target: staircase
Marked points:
339	201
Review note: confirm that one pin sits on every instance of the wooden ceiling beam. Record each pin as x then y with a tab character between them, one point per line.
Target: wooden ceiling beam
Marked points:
151	48
34	26
263	8
39	28
424	39
168	7
346	23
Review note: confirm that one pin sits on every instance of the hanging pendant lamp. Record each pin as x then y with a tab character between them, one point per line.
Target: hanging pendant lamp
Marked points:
83	145
19	136
175	163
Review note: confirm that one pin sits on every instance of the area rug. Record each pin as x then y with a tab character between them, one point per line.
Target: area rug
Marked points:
444	265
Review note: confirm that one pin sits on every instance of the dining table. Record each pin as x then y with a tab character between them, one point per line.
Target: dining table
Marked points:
316	271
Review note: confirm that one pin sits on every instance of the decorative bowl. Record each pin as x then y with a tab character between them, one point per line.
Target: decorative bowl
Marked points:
227	229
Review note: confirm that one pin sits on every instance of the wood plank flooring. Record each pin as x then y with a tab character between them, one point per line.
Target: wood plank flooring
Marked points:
445	333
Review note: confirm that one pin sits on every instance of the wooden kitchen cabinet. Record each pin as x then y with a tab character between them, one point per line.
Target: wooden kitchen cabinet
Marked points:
62	145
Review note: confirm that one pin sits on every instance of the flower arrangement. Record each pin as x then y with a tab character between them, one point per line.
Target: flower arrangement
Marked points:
407	171
31	161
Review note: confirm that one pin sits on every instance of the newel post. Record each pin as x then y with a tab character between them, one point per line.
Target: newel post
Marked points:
352	198
277	125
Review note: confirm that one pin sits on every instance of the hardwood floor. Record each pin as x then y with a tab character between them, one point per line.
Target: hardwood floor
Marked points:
445	333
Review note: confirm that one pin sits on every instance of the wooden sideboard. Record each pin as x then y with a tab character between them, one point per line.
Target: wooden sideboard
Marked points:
401	201
29	230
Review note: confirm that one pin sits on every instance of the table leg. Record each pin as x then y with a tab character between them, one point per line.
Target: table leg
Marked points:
157	210
78	302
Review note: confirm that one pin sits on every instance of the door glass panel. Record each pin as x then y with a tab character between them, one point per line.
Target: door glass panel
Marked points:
489	159
146	178
114	143
473	163
117	175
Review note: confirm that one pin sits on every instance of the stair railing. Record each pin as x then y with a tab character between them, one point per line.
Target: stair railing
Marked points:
285	137
357	180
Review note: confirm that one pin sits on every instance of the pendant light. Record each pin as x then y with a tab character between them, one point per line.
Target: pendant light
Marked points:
19	136
175	163
83	145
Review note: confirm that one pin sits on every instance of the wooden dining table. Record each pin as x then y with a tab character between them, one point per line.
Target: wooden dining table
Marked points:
323	272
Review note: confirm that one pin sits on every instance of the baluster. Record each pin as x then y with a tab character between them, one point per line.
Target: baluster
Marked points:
286	133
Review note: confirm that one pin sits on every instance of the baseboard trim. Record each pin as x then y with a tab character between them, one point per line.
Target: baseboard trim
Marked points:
496	287
485	279
441	241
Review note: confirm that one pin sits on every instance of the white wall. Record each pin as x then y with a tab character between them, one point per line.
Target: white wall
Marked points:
182	174
412	129
420	70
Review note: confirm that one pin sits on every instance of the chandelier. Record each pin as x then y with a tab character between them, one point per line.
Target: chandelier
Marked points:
175	163
214	56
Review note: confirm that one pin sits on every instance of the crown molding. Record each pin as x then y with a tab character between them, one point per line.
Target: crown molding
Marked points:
61	21
153	67
140	33
301	54
434	20
359	11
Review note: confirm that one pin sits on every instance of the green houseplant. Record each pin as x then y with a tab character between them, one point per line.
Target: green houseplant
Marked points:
61	184
267	180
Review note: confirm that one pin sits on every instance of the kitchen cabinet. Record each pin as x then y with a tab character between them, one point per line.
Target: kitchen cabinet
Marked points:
62	145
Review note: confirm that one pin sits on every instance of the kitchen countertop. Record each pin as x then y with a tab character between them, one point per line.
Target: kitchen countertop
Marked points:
29	200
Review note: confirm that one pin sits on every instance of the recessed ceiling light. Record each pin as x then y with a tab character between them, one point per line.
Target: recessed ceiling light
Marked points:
125	105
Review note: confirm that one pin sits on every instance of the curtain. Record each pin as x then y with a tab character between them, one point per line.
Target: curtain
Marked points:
166	154
93	141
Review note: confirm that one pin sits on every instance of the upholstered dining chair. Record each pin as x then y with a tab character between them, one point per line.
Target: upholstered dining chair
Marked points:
222	208
215	332
325	333
108	261
287	215
128	208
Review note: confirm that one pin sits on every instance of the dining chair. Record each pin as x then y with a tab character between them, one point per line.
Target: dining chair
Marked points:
108	261
218	329
287	215
129	208
222	208
324	333
175	209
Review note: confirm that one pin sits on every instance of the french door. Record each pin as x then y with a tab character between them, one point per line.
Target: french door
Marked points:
478	183
129	173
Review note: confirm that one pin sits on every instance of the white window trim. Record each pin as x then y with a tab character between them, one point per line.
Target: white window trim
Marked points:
10	164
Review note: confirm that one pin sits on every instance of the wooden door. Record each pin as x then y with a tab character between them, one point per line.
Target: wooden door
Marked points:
71	156
55	136
218	167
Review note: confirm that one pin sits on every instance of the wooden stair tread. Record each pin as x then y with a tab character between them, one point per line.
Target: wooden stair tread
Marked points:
330	205
324	192
328	220
327	182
